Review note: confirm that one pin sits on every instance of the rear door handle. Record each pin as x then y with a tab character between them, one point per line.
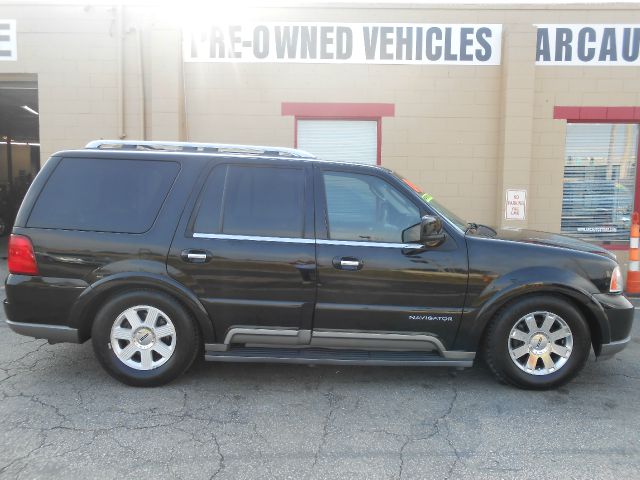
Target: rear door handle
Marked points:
196	256
347	263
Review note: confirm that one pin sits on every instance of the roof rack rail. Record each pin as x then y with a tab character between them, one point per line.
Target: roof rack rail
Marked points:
198	148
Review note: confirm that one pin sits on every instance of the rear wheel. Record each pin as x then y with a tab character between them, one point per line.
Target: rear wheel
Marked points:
539	342
144	338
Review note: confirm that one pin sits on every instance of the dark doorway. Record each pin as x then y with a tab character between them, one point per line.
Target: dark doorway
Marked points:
19	144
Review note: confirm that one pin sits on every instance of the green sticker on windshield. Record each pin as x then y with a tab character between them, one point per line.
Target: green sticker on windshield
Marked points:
426	197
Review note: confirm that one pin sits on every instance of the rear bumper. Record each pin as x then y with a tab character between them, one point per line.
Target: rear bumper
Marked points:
52	333
40	306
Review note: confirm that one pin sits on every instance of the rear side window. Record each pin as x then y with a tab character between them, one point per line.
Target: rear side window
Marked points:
248	200
104	195
210	210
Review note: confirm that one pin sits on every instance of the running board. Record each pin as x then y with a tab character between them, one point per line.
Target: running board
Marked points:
328	356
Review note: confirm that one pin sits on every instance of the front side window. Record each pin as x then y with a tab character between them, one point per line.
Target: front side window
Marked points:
368	209
253	200
599	181
435	204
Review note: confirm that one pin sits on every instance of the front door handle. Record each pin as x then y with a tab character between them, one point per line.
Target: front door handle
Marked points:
196	256
347	263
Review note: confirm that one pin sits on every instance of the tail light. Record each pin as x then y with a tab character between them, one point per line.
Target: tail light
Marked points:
21	257
617	282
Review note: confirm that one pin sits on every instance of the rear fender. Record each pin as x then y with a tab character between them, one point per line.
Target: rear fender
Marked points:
90	300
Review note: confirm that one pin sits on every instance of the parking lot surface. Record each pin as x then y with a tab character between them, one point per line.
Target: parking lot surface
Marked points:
61	416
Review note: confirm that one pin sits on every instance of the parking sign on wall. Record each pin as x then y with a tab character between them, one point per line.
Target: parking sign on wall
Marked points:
516	205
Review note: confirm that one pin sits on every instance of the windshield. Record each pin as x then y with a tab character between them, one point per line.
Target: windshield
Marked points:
437	206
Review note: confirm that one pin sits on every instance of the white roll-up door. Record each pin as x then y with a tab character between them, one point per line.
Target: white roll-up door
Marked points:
340	140
599	181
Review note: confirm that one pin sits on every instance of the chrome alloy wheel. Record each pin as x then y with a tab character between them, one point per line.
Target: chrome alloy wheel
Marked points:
540	343
143	337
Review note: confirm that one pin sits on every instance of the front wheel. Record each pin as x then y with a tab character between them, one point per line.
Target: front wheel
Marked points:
539	342
144	338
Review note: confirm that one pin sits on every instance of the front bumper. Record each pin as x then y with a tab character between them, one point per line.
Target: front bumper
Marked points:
608	350
619	312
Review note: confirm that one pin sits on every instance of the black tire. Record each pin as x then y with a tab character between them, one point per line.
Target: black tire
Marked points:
185	349
496	342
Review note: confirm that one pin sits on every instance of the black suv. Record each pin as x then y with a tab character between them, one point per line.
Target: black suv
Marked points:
159	252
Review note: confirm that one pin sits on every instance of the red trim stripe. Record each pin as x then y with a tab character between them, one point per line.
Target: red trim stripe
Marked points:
339	110
597	114
613	247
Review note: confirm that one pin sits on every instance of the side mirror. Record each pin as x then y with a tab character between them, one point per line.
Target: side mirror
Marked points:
431	233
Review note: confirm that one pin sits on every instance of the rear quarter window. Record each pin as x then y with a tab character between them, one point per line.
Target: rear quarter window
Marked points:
105	195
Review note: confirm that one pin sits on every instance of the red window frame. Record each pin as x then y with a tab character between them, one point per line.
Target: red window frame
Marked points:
605	115
340	111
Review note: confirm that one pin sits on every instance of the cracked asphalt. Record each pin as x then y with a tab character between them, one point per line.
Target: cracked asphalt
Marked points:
61	416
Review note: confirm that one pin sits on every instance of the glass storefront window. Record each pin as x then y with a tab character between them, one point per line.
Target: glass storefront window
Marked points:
599	181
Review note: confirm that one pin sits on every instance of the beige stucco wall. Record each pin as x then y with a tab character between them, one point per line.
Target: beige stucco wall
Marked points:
572	86
465	133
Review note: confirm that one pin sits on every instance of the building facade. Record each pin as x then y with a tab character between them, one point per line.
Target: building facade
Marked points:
515	116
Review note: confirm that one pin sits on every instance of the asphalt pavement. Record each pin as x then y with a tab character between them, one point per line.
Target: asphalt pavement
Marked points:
61	416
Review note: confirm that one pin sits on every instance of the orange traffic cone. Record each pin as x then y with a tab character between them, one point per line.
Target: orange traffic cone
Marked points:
633	274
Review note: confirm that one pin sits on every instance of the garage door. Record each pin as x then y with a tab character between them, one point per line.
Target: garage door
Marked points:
340	140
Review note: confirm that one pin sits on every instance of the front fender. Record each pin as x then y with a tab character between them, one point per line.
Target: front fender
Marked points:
92	297
530	281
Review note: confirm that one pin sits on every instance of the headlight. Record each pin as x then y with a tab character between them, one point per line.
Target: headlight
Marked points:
617	282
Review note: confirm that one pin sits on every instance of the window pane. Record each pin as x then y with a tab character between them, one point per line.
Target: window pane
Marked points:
264	201
210	203
599	181
104	195
366	208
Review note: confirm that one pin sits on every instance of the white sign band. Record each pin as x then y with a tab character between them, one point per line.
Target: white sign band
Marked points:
381	43
588	45
8	46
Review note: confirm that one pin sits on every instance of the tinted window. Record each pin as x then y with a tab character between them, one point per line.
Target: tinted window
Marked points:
367	208
210	203
104	195
259	201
